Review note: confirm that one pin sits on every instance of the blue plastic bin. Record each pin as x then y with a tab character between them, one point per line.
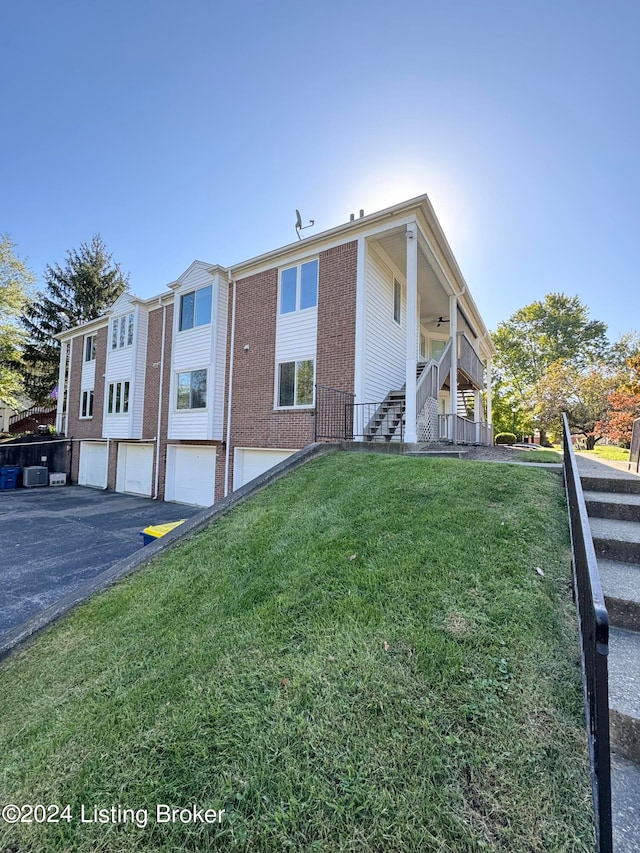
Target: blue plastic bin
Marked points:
9	476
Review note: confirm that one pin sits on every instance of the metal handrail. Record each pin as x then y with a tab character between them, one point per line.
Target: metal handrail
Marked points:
593	622
634	452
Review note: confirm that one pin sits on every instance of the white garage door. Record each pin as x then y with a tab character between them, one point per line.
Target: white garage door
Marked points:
191	475
93	464
249	463
135	469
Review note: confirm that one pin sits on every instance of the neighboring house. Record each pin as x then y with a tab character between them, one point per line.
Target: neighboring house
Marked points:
365	331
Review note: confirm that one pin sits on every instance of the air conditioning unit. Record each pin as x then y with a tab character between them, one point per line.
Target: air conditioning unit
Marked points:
35	475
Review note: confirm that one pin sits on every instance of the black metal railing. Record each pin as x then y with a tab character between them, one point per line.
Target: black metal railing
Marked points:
333	414
593	622
382	422
634	453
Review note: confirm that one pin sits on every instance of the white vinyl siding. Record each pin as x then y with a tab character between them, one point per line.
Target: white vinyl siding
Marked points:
384	339
120	368
296	341
200	348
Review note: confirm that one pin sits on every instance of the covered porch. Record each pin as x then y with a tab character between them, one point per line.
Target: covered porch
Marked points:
446	392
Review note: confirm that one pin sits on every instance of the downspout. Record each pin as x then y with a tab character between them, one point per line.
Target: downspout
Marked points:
106	475
228	435
160	390
67	389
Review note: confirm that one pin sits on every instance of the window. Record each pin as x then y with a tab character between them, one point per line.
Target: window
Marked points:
397	292
90	348
86	404
299	287
118	398
195	308
295	383
192	390
437	348
122	331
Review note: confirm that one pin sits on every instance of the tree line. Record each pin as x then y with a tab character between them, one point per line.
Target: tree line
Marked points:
75	292
551	358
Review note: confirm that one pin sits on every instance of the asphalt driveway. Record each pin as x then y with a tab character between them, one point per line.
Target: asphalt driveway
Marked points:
55	538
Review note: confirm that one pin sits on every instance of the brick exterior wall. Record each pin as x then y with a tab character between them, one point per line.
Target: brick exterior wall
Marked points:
336	353
85	428
255	422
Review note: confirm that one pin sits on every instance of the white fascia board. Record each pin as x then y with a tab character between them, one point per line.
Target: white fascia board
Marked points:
157	301
83	328
368	226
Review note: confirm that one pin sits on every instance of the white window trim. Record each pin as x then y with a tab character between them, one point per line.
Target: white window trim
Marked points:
294	408
86	391
117	321
179	311
94	348
176	410
298	266
120	414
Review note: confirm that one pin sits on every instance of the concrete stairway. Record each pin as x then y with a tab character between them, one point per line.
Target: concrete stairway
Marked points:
613	504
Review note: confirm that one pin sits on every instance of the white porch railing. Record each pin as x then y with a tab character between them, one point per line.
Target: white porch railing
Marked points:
468	361
465	431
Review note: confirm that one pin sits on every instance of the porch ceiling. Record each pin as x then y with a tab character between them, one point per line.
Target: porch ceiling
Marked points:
434	301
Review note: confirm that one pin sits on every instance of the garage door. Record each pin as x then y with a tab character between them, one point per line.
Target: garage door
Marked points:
93	464
191	475
249	463
135	469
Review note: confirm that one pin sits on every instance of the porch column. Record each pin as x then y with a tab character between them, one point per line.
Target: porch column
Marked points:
489	392
410	433
62	371
453	378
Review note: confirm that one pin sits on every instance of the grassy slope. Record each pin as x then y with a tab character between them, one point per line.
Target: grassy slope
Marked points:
549	456
423	694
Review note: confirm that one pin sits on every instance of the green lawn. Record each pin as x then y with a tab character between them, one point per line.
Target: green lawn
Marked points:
364	657
539	456
608	451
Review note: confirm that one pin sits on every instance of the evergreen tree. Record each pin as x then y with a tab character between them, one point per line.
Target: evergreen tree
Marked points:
81	290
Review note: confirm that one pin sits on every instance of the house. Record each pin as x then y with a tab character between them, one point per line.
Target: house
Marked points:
366	331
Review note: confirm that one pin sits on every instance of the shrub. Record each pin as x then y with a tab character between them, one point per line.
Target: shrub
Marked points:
505	438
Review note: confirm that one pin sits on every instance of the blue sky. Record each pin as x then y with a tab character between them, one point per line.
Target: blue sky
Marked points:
183	129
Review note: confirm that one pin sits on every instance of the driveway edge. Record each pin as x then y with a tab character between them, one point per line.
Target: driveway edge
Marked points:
14	640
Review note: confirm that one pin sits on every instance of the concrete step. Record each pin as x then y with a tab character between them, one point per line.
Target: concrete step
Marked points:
621	585
619	482
624	692
616	540
625	804
624	506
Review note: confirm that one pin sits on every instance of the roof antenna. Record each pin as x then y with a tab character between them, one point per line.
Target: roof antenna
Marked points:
299	226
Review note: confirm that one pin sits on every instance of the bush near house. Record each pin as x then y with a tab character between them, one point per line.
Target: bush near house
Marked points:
505	438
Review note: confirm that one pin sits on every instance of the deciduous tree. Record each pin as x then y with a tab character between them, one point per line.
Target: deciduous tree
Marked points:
16	281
